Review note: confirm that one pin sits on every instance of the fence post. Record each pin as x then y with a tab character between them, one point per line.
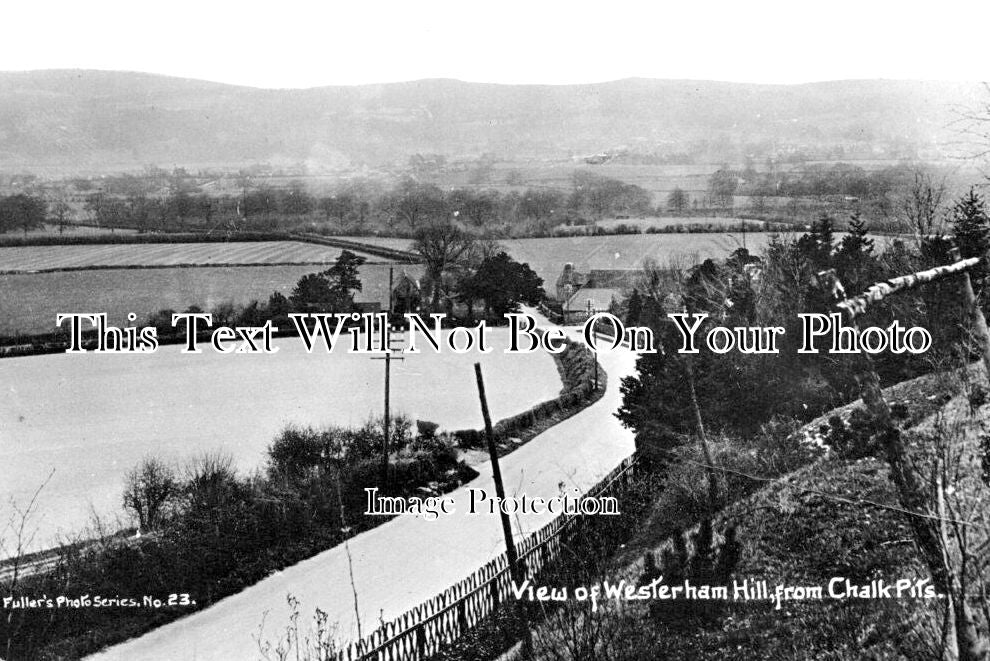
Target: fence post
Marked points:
421	639
493	586
462	616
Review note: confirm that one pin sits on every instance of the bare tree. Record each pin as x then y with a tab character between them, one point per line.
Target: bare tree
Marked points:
415	203
923	206
148	490
443	246
21	538
59	210
973	126
960	505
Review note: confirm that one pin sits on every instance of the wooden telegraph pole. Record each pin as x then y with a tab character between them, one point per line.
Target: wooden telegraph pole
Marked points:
591	312
511	554
388	358
510	546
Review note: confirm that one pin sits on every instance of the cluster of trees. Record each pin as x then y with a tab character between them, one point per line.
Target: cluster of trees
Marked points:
362	206
22	212
801	195
462	269
818	180
331	290
881	189
678	403
745	290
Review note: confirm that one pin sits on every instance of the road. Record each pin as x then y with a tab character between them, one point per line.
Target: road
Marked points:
408	560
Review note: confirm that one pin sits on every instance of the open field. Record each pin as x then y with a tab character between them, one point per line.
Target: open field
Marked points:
547	256
31	301
92	417
623	251
46	258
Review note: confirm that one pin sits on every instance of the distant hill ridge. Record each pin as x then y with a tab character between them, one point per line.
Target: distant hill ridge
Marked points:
100	119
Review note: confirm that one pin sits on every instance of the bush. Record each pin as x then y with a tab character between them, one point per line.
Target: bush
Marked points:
781	448
469	438
296	451
856	439
426	429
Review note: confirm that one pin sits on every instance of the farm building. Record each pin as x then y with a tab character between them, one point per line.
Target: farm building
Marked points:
407	295
589	300
571	280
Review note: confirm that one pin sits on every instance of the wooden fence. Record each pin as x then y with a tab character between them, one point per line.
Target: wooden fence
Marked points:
424	630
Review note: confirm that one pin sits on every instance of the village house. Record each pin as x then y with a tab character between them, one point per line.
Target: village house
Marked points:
598	288
589	300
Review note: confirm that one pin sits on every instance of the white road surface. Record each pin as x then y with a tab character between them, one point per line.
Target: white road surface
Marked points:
408	560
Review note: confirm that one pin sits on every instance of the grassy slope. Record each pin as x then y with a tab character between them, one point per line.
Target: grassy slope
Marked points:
826	520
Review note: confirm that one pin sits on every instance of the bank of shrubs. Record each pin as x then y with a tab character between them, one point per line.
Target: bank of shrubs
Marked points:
210	532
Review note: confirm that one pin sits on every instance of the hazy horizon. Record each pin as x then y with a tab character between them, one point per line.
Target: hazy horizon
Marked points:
501	84
301	45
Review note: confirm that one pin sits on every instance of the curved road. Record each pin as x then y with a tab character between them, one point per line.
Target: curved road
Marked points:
408	560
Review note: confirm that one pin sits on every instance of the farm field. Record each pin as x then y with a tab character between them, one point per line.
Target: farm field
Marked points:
42	258
30	301
92	417
623	251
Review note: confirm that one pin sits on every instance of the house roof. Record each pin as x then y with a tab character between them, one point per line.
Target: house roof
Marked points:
612	278
600	299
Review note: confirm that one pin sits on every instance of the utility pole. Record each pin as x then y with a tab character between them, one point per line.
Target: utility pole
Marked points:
388	358
591	312
390	294
515	569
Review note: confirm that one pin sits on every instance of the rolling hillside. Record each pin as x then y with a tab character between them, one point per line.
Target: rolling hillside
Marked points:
101	120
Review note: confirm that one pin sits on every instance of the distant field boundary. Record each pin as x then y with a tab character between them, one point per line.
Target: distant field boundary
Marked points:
145	267
392	254
379	251
14	241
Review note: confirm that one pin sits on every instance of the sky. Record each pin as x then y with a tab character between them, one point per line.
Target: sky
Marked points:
306	44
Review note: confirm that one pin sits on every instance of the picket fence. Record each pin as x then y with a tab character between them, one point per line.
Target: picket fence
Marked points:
424	630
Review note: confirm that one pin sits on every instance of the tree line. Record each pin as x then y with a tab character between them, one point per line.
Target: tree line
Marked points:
716	427
771	290
363	206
